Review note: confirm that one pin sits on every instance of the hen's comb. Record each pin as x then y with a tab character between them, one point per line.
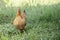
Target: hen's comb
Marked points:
19	10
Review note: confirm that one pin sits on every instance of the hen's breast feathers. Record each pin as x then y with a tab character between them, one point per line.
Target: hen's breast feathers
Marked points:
19	21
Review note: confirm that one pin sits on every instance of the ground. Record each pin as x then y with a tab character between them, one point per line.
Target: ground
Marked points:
43	22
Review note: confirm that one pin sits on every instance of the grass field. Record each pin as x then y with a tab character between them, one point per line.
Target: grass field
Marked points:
43	22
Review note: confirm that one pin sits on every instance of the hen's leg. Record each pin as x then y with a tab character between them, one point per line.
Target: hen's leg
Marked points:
21	30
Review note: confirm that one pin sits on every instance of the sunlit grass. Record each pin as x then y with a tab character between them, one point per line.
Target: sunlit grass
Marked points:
17	3
43	22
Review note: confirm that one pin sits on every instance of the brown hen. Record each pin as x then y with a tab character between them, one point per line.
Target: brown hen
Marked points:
20	21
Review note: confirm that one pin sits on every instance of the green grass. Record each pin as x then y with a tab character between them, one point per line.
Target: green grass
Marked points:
43	23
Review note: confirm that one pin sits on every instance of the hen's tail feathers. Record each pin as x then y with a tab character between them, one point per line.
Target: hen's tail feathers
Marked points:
24	11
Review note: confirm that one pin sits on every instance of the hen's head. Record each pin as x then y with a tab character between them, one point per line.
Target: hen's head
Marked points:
19	12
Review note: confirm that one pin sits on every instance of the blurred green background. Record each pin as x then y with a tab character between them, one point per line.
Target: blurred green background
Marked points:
43	19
